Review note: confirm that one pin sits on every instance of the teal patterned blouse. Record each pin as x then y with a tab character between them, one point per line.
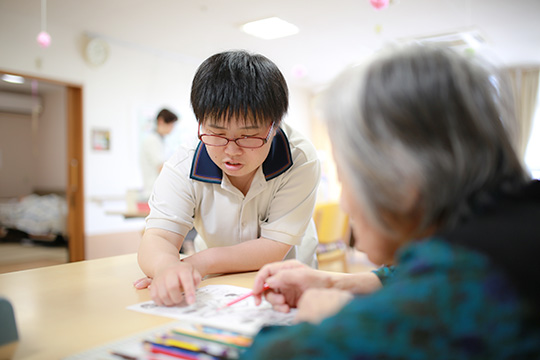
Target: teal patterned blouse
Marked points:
443	302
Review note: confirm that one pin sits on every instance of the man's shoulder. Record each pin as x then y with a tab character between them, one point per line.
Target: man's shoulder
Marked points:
182	157
299	143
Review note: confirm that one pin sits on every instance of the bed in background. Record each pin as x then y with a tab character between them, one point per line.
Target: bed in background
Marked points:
39	217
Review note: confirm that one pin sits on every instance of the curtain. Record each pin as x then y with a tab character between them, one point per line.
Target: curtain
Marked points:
524	83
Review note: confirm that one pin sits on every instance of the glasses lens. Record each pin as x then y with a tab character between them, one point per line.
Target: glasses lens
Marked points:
214	140
250	142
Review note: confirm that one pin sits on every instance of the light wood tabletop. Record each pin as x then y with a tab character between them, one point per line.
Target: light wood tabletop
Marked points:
64	309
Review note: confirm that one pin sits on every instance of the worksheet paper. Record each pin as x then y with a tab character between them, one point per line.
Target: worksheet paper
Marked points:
244	316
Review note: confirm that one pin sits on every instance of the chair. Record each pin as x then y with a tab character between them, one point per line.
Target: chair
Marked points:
333	231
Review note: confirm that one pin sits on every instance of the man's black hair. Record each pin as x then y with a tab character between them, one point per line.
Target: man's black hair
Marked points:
241	86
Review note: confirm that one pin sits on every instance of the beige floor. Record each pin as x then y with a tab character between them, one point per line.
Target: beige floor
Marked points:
16	257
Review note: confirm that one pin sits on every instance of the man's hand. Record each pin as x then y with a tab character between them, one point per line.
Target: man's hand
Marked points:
172	285
142	283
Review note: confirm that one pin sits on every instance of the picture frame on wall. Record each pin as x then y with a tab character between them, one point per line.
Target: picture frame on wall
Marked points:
101	139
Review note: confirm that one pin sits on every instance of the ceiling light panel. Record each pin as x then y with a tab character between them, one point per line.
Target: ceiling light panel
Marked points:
270	28
13	79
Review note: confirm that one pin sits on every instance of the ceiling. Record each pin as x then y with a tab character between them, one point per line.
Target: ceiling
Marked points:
332	33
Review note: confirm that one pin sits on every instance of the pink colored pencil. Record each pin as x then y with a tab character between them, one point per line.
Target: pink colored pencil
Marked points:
245	296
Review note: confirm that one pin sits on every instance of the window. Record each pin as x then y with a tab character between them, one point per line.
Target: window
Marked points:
532	154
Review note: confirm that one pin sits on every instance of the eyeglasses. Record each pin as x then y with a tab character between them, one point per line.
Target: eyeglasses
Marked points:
250	142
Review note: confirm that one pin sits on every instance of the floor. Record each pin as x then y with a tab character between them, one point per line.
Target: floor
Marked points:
17	256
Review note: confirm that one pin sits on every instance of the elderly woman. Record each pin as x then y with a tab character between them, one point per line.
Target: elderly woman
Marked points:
433	185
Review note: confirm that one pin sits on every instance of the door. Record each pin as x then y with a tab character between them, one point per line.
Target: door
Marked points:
75	188
73	163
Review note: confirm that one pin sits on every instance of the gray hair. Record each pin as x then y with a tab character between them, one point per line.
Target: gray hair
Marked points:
427	124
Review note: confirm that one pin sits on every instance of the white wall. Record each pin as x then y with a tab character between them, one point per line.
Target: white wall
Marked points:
130	86
33	149
50	148
118	96
16	155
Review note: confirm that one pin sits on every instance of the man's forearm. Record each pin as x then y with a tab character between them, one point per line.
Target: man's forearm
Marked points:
247	256
156	252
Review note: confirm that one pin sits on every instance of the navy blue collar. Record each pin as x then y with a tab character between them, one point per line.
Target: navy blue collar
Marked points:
278	161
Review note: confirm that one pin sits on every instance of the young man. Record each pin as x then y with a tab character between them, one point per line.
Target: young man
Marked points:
249	188
153	150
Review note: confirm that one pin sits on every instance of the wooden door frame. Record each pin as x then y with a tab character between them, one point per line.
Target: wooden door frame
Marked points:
74	164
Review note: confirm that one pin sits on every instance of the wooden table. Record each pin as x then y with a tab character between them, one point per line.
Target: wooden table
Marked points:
64	309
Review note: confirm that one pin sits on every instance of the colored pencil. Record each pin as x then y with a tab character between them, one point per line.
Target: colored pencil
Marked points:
240	342
176	352
245	296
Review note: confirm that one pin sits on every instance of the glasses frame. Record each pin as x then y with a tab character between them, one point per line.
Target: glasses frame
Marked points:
265	139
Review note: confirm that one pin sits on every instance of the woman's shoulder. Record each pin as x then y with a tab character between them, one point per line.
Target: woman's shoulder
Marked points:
436	257
453	279
449	294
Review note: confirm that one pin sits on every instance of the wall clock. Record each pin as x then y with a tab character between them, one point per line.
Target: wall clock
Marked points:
96	51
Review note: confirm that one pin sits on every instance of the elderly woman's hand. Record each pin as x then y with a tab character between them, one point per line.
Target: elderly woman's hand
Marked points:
287	281
318	304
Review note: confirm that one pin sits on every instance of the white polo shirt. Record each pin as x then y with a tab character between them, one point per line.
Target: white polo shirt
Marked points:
191	191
